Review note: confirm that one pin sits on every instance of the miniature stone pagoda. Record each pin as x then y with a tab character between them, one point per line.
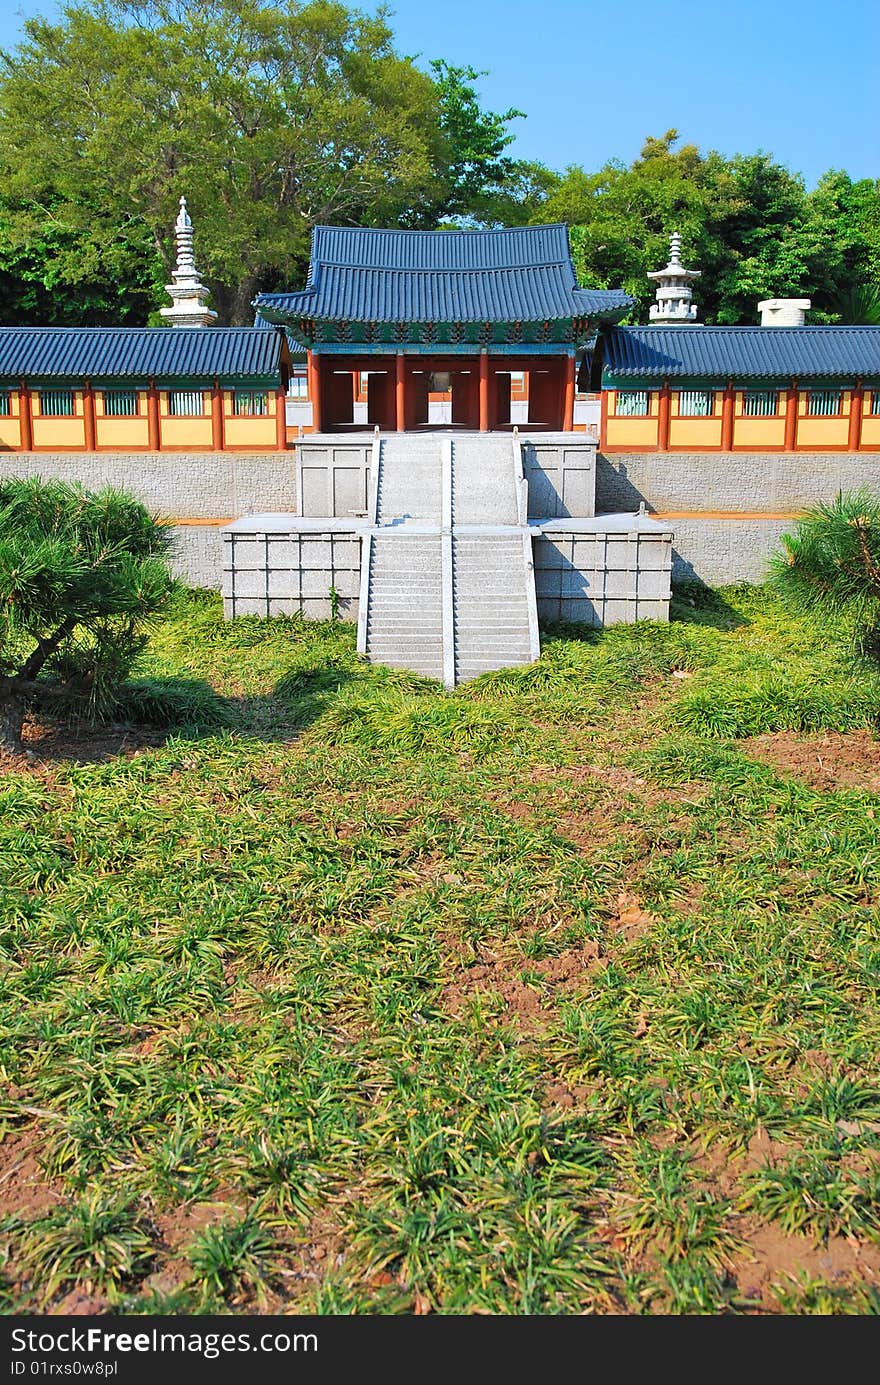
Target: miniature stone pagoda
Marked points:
674	292
190	308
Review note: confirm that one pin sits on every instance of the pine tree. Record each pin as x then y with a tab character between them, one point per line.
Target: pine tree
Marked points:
81	574
830	568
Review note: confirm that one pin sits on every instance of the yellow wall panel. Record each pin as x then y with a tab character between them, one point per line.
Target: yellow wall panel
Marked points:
759	432
823	432
122	432
178	434
632	432
249	432
694	432
870	430
10	434
59	432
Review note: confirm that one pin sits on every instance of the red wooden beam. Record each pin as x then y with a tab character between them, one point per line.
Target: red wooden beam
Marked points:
400	393
484	391
25	408
153	439
856	402
791	408
663	417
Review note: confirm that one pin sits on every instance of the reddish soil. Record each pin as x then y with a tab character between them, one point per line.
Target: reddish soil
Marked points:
772	1257
828	761
25	1191
525	1002
46	743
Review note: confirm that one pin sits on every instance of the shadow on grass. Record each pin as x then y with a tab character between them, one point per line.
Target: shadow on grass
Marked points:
694	604
151	711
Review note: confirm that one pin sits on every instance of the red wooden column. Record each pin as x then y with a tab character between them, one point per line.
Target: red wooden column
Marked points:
791	408
153	440
603	420
314	377
400	393
26	422
89	416
856	404
568	399
484	391
663	417
727	403
281	419
217	439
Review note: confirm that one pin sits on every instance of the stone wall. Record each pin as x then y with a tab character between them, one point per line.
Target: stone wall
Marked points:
761	494
746	481
191	485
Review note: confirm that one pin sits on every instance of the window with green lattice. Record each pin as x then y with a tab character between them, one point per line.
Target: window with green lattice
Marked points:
56	403
120	403
760	403
632	404
695	403
824	403
250	403
185	403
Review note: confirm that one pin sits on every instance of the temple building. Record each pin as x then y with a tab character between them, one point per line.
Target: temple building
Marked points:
416	315
445	439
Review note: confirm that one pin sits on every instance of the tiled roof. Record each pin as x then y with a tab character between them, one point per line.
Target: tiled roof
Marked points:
524	274
740	353
227	354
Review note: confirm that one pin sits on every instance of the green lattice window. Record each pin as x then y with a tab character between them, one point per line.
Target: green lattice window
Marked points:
824	403
250	403
632	404
760	403
185	403
56	403
5	407
120	403
695	404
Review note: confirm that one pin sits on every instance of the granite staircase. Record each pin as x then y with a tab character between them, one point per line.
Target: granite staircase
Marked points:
447	584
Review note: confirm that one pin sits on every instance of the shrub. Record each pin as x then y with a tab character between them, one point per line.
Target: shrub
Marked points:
81	573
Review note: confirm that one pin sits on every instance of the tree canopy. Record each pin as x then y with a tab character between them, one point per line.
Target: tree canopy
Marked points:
274	118
81	573
746	222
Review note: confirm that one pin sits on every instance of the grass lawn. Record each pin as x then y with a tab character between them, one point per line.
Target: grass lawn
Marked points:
555	994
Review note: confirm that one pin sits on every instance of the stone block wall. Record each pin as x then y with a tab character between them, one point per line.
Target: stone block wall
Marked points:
737	481
602	578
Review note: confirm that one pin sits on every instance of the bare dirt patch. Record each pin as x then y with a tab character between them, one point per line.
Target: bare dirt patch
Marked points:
47	743
525	988
772	1258
25	1191
829	761
178	1226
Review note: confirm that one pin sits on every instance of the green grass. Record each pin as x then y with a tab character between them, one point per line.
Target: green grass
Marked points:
325	1004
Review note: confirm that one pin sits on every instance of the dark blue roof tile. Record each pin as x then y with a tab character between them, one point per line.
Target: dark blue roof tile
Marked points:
524	274
227	354
742	353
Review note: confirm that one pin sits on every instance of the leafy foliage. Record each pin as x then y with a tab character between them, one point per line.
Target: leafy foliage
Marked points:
747	223
81	573
830	569
279	118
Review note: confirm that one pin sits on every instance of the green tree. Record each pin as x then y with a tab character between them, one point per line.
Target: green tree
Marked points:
81	574
271	119
480	183
747	223
53	274
830	569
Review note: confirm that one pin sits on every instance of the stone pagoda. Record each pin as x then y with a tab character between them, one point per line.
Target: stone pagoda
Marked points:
189	308
674	292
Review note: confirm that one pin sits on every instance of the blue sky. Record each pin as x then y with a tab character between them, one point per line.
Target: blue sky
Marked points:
798	78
